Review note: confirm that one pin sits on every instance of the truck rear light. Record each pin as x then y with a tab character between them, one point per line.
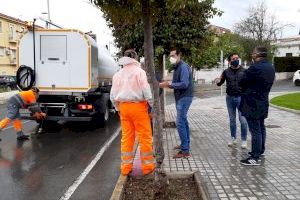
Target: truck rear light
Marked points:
85	107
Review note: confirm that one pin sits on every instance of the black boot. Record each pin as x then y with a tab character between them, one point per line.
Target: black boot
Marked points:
23	137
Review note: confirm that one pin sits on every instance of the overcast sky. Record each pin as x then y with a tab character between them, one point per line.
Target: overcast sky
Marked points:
80	15
75	14
286	12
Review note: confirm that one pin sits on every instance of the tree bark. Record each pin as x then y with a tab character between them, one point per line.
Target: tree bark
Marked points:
160	179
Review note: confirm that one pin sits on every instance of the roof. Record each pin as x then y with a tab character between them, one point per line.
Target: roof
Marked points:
12	19
15	20
219	28
288	39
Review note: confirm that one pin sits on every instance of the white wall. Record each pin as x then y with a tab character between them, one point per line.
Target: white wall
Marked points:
283	75
282	51
211	75
287	45
208	75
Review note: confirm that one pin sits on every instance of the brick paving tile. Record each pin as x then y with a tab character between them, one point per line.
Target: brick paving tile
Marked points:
224	177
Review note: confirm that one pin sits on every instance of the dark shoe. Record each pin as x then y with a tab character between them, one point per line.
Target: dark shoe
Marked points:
23	137
250	162
182	154
178	147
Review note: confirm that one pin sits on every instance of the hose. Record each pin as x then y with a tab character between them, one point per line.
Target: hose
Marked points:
25	77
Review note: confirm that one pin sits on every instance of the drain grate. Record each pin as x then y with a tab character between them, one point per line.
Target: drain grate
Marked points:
272	126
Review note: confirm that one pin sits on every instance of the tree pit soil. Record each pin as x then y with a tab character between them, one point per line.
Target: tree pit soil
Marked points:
139	188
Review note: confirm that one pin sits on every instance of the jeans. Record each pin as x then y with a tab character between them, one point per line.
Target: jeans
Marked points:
258	132
182	107
233	104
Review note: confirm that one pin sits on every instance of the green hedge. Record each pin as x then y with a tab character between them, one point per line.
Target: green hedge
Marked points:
286	64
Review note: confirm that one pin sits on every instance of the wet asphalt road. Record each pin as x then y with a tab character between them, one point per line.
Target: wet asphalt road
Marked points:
45	166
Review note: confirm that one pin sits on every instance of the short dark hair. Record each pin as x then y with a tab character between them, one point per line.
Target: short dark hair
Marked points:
35	89
261	51
131	54
230	56
177	50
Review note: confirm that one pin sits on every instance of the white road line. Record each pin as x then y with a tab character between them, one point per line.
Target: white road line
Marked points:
87	170
12	126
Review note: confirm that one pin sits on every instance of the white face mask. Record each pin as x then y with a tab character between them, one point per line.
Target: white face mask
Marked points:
173	60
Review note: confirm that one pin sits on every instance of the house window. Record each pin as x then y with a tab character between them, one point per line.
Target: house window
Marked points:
13	56
0	27
289	54
2	51
12	32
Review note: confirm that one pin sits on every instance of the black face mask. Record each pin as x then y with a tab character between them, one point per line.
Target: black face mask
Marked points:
235	63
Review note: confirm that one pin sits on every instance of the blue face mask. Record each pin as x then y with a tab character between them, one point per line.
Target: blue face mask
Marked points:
235	63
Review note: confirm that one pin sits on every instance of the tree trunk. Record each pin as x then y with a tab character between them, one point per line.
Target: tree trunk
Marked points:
160	179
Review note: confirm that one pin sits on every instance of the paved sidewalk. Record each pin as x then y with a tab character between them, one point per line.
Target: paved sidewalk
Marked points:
225	178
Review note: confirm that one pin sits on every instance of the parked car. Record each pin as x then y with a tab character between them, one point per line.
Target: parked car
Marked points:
296	78
8	82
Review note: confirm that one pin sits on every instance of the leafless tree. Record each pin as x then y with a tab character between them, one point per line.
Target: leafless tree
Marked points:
260	24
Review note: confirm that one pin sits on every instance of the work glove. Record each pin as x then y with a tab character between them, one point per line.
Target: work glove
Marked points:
39	115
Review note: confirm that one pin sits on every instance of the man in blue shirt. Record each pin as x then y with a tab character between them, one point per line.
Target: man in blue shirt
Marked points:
183	91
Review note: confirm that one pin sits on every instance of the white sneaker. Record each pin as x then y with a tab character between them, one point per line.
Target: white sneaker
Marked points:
244	144
232	142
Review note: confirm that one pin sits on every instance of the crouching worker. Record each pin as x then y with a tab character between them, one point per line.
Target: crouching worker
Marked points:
24	99
131	96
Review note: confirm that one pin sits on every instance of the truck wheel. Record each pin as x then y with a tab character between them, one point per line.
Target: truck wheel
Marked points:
51	126
297	82
100	119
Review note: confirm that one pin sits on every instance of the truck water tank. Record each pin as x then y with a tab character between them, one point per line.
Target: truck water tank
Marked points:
107	66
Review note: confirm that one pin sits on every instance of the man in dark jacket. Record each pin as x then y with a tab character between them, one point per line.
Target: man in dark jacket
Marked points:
183	91
256	84
232	76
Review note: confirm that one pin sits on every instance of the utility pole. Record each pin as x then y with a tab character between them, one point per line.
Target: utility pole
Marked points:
48	21
222	64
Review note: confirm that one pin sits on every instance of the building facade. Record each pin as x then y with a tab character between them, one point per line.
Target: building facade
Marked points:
287	47
11	30
218	30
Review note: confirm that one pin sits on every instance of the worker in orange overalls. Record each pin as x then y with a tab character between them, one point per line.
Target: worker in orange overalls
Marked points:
131	95
24	99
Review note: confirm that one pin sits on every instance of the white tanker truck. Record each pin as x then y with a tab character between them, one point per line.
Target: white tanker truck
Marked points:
73	74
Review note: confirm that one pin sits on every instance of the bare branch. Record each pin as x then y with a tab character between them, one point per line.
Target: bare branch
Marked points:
260	25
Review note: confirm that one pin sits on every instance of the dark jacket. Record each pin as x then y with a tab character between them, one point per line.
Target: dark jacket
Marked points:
232	78
182	81
256	85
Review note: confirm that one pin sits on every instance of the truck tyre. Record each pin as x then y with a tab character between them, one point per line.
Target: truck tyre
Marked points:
100	118
297	82
51	126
